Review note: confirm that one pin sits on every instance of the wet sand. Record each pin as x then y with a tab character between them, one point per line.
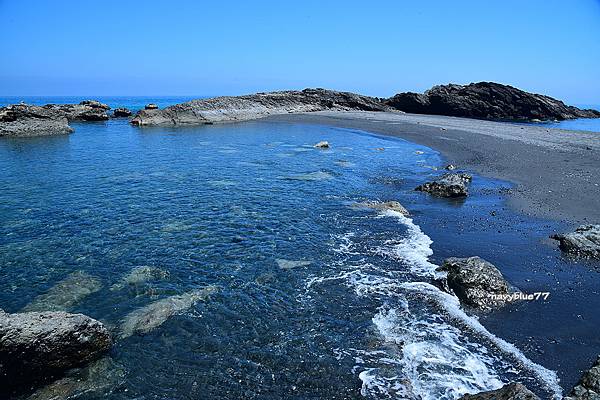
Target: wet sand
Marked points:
556	172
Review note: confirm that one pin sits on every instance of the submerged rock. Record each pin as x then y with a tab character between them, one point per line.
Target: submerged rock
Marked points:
122	112
311	176
450	167
99	379
139	275
588	387
291	264
476	282
66	293
512	391
34	344
322	145
384	206
487	100
26	120
448	185
242	108
153	315
585	241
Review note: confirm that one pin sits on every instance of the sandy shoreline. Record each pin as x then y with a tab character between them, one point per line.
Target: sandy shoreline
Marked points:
555	171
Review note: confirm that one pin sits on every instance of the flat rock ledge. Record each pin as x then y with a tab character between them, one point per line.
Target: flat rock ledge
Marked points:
26	120
476	282
249	107
588	387
38	344
584	241
448	185
512	391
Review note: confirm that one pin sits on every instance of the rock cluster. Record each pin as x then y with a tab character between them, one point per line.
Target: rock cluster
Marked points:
447	185
242	108
584	241
476	282
512	391
26	120
87	110
588	387
487	100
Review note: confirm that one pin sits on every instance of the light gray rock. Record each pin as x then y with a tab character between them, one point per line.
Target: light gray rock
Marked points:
512	391
41	344
243	108
153	315
66	293
140	275
384	206
585	241
476	282
26	120
447	185
588	387
322	145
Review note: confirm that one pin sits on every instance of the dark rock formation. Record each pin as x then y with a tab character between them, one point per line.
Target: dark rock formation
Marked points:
151	106
447	185
122	112
95	104
588	387
26	120
38	344
241	108
584	242
87	110
476	282
487	100
512	391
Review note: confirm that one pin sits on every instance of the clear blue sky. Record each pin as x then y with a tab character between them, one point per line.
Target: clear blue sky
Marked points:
379	48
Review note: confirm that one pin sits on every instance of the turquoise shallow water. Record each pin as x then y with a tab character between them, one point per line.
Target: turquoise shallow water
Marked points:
310	296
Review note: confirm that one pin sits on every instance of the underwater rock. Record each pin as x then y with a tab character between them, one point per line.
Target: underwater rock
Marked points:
512	391
588	387
311	176
121	112
139	275
322	145
584	241
37	344
447	185
153	315
383	206
450	167
66	293
476	282
291	264
26	120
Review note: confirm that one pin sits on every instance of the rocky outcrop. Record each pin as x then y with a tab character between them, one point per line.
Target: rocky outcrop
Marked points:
151	106
447	185
122	112
322	145
87	110
26	120
384	206
37	344
487	100
588	387
584	242
242	108
476	282
512	391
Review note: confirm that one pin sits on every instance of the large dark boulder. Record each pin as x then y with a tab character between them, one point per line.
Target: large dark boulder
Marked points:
476	282
122	112
38	344
512	391
26	120
487	100
588	387
584	241
447	185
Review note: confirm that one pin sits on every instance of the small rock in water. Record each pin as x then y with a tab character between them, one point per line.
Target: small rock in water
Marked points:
383	206
448	185
322	145
450	167
588	387
66	293
419	152
153	315
476	282
121	112
291	264
512	391
584	242
139	275
151	106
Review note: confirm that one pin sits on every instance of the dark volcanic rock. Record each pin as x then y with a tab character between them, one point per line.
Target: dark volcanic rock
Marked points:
487	100
588	387
95	104
87	110
121	112
26	120
585	241
512	391
242	108
37	344
476	282
447	185
151	106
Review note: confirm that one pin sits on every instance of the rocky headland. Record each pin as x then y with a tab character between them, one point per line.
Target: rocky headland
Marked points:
26	120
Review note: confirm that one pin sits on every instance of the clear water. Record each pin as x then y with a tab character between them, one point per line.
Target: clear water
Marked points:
581	124
310	296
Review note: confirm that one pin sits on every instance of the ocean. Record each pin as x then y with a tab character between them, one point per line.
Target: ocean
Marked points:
276	282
